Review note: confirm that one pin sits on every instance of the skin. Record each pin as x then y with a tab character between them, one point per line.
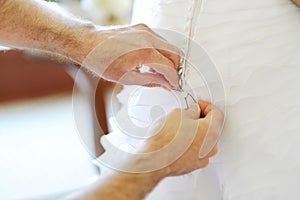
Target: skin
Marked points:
297	2
136	186
33	25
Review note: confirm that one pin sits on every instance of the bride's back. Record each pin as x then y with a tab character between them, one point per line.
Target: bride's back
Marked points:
256	47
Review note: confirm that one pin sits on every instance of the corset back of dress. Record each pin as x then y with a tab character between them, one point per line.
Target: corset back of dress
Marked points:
255	46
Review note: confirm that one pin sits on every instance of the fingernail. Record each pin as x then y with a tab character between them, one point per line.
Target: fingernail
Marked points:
194	107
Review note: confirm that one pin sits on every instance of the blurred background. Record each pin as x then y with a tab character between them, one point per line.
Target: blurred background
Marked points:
41	156
103	12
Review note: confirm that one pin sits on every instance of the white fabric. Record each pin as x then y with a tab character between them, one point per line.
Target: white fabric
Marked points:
3	48
255	45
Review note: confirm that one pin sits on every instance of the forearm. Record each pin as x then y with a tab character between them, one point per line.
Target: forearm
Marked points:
122	186
35	25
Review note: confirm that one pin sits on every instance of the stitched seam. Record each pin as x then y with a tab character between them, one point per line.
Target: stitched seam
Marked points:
189	28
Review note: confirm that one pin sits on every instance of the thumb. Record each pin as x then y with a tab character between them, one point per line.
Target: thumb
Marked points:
194	111
214	119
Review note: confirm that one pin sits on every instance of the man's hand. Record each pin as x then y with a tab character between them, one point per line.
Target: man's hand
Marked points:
297	2
187	123
136	186
116	54
120	54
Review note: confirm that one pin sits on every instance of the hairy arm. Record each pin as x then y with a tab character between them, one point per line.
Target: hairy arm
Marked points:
118	52
32	24
135	186
121	186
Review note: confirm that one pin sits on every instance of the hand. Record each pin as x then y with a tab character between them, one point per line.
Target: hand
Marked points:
297	2
183	143
122	52
188	122
183	124
116	54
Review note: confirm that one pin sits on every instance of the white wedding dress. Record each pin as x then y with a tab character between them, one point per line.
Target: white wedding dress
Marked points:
256	48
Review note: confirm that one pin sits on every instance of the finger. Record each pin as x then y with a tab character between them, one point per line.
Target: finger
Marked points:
155	85
162	72
173	56
209	142
214	120
168	50
162	65
213	152
205	106
142	26
145	79
158	42
193	111
158	54
202	163
157	63
167	72
210	111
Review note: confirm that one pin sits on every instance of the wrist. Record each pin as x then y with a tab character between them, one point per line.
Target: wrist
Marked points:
143	183
79	41
144	178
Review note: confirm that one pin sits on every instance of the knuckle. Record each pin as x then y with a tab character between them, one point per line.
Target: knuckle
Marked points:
141	25
148	34
214	151
204	163
146	51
